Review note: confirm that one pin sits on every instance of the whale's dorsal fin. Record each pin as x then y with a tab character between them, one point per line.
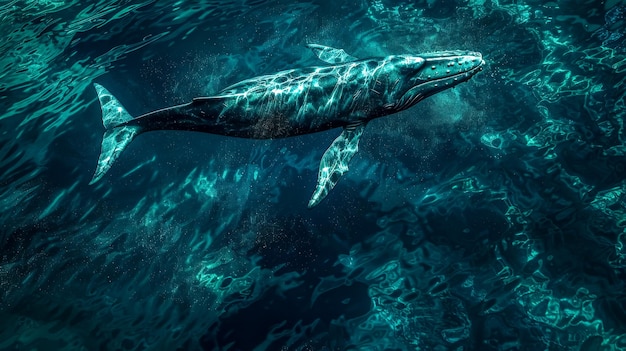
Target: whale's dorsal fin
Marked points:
335	161
331	55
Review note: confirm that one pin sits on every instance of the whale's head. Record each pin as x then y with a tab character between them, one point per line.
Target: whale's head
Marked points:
418	77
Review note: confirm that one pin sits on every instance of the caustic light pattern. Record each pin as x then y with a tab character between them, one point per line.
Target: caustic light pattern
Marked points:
487	217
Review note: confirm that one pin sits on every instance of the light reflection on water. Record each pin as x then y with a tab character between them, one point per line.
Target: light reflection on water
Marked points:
491	215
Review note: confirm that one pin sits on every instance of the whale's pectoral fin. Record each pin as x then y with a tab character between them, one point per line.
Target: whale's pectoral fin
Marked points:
331	55
335	161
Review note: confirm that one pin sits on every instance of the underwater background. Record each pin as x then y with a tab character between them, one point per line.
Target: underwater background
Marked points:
488	217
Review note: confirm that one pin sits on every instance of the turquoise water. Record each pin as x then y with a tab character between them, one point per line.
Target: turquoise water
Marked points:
487	217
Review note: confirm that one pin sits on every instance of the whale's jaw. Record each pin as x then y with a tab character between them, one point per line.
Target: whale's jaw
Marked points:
440	71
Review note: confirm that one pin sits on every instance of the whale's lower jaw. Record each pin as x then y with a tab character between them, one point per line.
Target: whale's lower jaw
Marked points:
432	87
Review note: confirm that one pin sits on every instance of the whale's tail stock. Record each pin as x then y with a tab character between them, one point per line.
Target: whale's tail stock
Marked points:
117	135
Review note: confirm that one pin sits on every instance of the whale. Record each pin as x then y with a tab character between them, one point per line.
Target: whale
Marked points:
344	92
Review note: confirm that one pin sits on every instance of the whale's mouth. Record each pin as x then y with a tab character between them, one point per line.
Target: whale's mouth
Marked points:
441	71
450	67
456	78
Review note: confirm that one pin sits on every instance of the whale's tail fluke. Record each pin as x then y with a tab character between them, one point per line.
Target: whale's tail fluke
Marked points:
117	134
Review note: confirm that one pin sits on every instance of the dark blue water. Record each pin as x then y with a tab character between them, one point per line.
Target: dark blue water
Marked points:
488	217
